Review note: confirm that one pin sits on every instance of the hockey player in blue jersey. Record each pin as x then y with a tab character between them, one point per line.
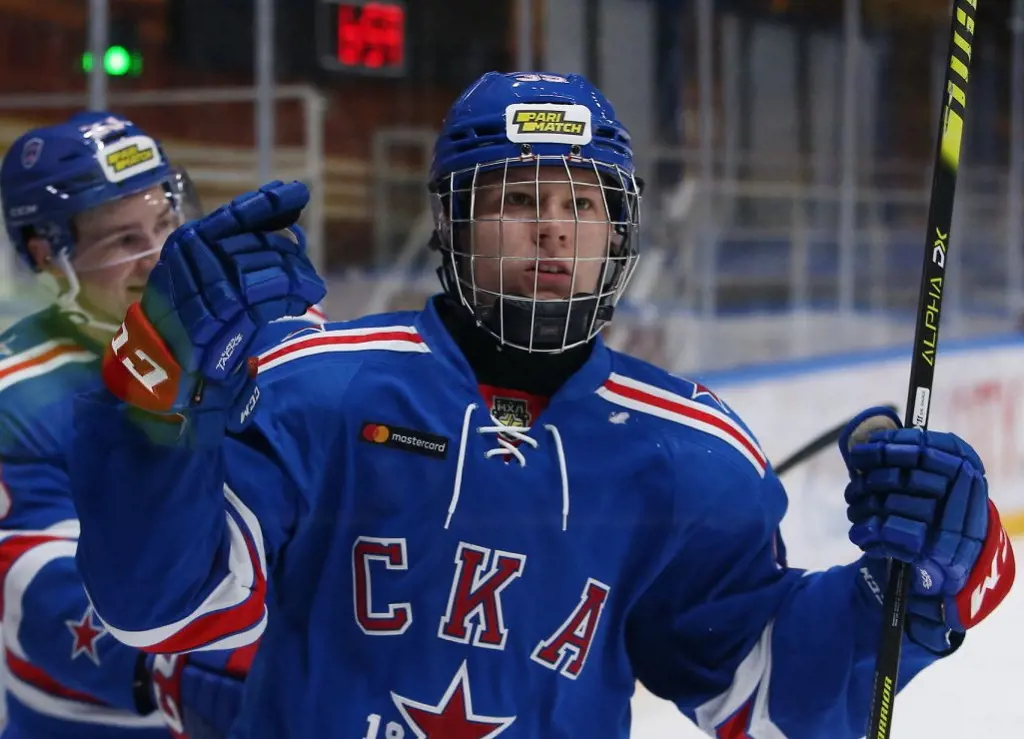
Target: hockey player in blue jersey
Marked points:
477	519
87	204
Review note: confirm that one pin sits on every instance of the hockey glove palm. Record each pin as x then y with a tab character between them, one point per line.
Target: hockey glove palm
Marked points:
182	352
921	497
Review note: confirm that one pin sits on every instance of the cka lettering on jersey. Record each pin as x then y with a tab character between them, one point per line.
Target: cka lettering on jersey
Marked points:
474	614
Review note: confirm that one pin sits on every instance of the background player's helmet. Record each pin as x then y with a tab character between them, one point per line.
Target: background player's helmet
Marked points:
54	173
488	129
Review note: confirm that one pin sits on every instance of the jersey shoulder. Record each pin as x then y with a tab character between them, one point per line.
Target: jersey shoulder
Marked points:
281	329
41	368
310	370
304	380
314	348
688	413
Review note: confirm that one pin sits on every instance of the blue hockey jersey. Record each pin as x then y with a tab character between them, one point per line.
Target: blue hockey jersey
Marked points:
66	676
445	569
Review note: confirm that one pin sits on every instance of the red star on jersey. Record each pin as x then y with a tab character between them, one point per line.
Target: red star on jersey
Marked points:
699	389
86	633
452	717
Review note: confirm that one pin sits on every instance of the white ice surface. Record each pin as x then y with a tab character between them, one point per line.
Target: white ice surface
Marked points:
976	692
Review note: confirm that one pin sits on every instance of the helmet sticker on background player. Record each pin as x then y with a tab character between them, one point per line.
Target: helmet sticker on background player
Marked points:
548	123
530	77
129	157
30	152
22	211
99	130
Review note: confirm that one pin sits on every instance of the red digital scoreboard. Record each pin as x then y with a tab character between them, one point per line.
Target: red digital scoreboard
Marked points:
363	36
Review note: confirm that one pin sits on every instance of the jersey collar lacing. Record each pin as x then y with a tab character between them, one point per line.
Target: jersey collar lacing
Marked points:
507	448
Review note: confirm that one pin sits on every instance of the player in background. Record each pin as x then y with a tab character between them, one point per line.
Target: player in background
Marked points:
88	205
477	519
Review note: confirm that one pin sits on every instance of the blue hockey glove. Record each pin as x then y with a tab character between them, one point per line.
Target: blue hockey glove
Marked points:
921	497
196	701
181	354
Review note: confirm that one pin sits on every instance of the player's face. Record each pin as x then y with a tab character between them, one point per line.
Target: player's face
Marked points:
117	245
540	233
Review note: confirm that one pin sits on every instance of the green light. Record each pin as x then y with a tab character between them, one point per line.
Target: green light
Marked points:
117	62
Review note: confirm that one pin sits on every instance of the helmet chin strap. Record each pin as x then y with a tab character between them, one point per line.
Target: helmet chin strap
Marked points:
67	300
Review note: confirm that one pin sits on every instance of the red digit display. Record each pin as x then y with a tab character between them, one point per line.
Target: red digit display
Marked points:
371	35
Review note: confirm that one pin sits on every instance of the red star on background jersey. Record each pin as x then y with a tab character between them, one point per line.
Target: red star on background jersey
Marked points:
86	633
452	717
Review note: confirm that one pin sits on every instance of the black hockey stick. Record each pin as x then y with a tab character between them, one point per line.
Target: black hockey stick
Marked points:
815	445
926	337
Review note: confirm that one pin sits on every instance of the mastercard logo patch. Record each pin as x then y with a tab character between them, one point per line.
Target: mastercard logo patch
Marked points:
405	439
378	433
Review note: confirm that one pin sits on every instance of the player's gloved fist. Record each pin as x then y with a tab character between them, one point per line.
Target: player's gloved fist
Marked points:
921	497
183	351
195	700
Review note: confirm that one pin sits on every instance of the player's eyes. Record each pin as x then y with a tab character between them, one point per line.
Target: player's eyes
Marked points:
126	242
585	204
517	199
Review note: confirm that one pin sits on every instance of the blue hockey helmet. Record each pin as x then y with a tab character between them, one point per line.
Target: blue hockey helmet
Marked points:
548	129
54	173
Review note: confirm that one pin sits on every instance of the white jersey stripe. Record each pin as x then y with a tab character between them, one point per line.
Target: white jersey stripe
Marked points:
35	368
19	577
234	590
70	710
684	401
707	428
375	338
409	331
252	523
393	346
238	640
27	355
638	396
751	681
69	527
313	315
